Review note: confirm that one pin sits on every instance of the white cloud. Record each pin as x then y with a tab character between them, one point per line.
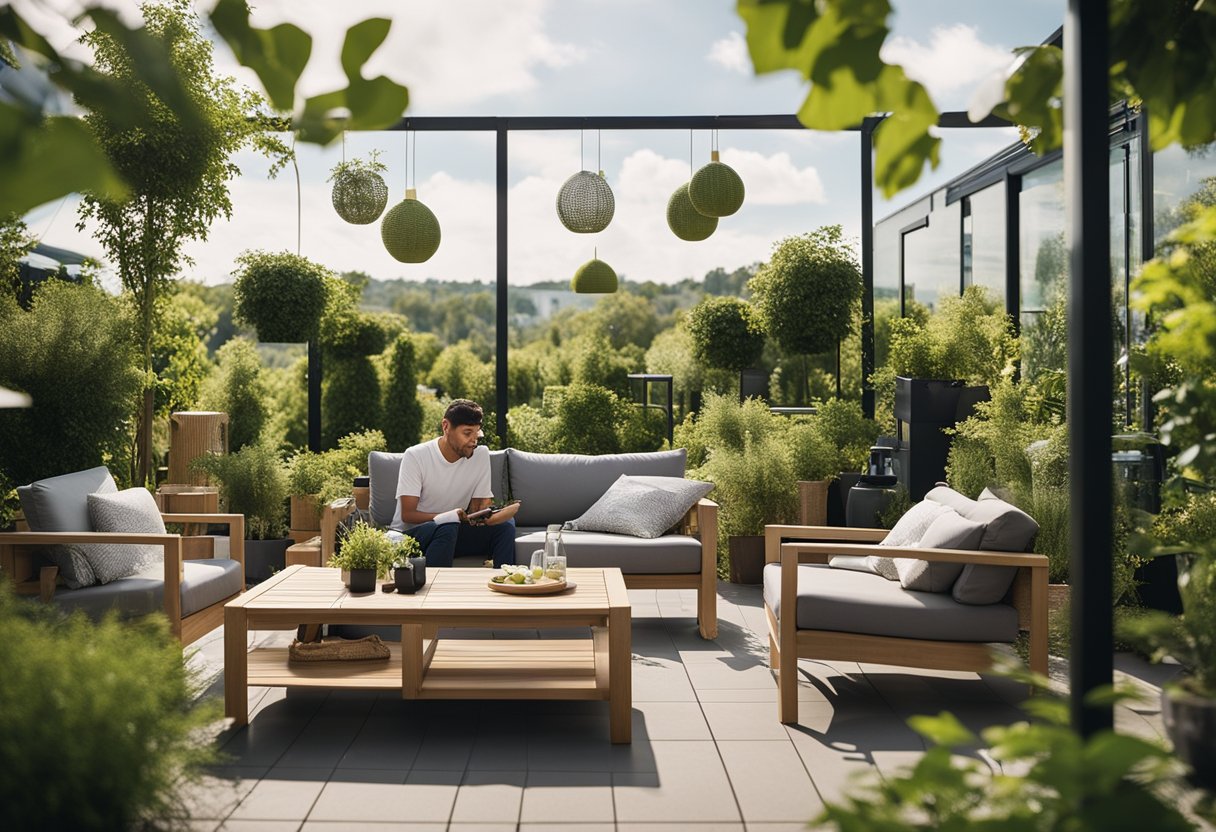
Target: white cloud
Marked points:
775	180
731	53
954	60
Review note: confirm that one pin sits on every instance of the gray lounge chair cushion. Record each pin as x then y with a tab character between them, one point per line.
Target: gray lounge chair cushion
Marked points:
853	602
670	554
556	488
383	470
641	506
204	583
1007	529
907	531
133	511
950	530
60	504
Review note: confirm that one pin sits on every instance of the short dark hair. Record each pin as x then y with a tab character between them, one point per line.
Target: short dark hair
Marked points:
463	412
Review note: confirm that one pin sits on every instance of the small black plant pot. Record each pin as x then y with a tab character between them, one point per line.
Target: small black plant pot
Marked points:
419	564
406	580
363	580
1190	721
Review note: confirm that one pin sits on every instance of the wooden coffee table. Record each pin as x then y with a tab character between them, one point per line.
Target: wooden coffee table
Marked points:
424	666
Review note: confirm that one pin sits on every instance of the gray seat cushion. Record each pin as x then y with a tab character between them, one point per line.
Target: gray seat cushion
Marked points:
845	601
205	582
1006	529
383	470
556	488
670	554
60	504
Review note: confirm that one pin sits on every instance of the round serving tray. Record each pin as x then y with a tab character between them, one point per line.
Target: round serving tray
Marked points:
547	586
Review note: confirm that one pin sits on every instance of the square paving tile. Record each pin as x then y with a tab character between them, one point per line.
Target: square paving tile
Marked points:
770	781
363	795
489	797
566	798
284	794
690	785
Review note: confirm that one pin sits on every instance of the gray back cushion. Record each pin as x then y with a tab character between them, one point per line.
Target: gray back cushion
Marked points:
950	530
1006	529
555	488
907	531
133	511
60	504
384	468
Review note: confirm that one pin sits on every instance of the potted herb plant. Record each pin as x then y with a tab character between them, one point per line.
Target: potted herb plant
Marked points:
409	566
307	473
814	460
365	554
253	482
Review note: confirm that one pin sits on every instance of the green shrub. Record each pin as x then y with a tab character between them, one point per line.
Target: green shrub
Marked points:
969	466
723	423
350	333
754	486
402	413
459	374
641	429
812	456
598	363
73	353
281	295
350	398
432	415
98	727
366	547
842	423
530	430
306	474
240	390
726	333
252	482
586	421
689	436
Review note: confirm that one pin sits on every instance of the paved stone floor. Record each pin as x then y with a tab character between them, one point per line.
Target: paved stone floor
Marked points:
708	752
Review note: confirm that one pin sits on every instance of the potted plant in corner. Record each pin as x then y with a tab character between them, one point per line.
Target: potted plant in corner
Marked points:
307	474
754	487
365	554
253	482
814	460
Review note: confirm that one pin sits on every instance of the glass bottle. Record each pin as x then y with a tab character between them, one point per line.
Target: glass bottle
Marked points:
555	553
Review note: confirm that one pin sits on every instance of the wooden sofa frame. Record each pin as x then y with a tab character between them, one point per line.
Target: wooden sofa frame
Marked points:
816	544
30	575
700	522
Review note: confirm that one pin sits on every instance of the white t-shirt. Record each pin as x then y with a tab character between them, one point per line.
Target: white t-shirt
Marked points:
438	484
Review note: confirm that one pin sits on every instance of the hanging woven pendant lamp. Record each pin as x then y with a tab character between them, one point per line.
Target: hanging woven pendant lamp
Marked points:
359	195
410	231
594	277
685	221
716	190
585	204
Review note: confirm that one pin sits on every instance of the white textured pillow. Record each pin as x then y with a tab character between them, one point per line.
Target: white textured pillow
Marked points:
641	506
132	511
949	530
907	532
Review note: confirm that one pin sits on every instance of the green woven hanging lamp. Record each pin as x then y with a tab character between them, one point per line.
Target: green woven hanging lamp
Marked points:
716	190
594	277
685	221
359	195
585	204
410	231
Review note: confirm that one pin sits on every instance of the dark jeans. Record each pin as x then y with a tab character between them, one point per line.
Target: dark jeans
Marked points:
442	543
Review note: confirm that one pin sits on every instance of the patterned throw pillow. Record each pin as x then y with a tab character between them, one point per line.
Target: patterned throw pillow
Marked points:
132	511
641	506
907	531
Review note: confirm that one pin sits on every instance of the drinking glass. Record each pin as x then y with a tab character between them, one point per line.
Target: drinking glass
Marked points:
538	564
555	567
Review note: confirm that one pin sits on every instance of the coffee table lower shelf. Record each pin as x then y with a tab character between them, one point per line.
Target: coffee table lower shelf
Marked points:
458	669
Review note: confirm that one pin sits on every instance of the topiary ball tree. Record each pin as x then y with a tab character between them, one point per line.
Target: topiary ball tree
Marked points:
281	295
807	292
726	333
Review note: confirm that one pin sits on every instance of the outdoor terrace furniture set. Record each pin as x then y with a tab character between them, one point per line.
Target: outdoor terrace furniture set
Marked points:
974	581
189	585
556	488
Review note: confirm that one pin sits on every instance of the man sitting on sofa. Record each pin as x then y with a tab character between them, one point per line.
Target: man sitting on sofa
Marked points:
440	481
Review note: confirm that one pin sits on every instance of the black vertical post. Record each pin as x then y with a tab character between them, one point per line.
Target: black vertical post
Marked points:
671	414
1013	251
500	309
1090	394
867	264
314	396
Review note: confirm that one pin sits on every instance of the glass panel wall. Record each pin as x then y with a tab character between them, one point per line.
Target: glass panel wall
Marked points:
1179	177
983	242
1043	269
931	256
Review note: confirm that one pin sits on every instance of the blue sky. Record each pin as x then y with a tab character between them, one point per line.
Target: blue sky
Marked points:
587	57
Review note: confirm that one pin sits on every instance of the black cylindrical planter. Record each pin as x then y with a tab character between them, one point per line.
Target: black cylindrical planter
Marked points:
406	580
363	580
419	564
1190	721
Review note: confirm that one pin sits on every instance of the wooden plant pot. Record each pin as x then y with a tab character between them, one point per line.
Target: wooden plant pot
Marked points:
747	559
305	513
813	502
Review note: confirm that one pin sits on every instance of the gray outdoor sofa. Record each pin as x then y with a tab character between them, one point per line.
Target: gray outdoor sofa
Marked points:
556	488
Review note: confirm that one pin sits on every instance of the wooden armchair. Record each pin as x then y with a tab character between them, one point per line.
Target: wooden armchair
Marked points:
789	546
191	597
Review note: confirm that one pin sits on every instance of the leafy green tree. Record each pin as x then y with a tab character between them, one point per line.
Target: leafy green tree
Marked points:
177	171
597	362
240	390
459	374
587	418
281	295
624	318
179	352
15	243
72	353
350	398
402	411
807	291
727	333
734	284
